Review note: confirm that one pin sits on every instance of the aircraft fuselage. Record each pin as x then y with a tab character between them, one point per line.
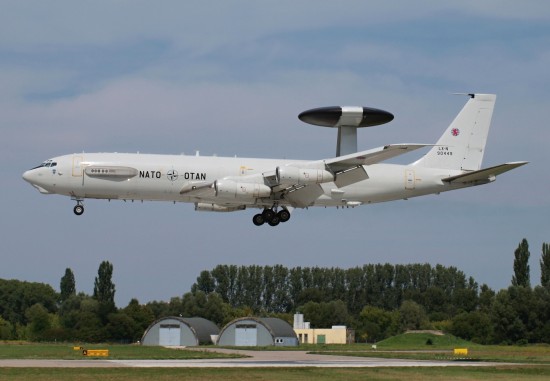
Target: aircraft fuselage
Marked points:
227	184
162	177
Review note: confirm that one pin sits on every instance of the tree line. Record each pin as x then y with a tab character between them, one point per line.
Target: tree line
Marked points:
377	300
35	311
278	289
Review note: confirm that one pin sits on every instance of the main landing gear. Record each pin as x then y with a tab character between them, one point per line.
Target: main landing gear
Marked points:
79	208
271	216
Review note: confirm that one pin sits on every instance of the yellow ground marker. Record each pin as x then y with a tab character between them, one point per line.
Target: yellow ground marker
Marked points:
95	352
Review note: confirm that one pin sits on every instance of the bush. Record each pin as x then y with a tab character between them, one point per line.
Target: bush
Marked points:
473	325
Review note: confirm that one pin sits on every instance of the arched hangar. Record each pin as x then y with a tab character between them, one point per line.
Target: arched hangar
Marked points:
179	331
252	331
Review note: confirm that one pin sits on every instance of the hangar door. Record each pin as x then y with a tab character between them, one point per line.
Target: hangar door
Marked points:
246	335
169	335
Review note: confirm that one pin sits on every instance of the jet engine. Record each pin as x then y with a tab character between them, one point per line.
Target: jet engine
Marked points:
229	189
302	176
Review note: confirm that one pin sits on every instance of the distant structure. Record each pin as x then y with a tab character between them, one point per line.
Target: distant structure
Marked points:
252	331
338	334
299	321
176	331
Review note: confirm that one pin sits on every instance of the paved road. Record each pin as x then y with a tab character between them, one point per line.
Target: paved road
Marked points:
267	359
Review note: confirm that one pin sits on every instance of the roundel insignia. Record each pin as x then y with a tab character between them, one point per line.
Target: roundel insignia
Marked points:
455	131
172	175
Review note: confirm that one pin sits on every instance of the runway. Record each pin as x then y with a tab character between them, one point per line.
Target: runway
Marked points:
257	359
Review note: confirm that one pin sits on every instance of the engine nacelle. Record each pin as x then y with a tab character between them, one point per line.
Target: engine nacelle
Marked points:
302	176
229	189
209	207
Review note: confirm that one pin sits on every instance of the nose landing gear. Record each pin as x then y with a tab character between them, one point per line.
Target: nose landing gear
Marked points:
79	208
271	216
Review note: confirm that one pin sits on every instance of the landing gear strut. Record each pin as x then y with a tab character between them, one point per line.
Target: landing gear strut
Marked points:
271	216
79	208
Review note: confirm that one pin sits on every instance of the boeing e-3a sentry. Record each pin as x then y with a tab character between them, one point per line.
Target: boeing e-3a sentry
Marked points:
276	187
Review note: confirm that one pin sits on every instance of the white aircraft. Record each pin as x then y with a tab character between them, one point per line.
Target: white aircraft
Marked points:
226	184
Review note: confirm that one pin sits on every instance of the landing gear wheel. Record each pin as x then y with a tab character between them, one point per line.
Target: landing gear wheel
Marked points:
258	219
284	215
78	210
274	221
268	214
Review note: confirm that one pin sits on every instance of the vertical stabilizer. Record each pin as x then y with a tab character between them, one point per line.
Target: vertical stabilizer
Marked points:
462	145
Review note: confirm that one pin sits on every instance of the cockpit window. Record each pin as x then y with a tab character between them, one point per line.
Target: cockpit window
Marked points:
47	163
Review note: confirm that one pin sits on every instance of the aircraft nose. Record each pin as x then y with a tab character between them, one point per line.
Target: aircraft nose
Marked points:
27	176
33	177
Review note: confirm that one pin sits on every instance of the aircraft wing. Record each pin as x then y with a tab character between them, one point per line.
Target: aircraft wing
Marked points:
484	175
348	170
373	156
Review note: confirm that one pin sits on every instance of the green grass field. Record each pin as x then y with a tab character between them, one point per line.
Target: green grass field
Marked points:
535	362
287	374
414	346
22	350
490	354
419	341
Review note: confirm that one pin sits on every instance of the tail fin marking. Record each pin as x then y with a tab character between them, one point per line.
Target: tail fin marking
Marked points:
462	145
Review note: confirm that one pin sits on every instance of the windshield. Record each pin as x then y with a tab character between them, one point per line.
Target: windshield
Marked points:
47	163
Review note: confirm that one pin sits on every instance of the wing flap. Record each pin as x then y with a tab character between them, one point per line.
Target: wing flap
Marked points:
351	176
305	196
484	175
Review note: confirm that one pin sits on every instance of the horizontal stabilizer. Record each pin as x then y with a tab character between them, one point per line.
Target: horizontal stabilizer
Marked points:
484	175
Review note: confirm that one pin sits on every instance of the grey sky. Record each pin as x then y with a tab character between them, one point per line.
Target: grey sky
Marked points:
230	78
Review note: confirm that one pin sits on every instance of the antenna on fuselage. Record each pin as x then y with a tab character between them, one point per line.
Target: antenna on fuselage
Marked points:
348	119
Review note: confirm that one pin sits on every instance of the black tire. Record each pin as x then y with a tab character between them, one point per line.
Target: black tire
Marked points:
78	210
284	215
258	219
268	214
274	221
